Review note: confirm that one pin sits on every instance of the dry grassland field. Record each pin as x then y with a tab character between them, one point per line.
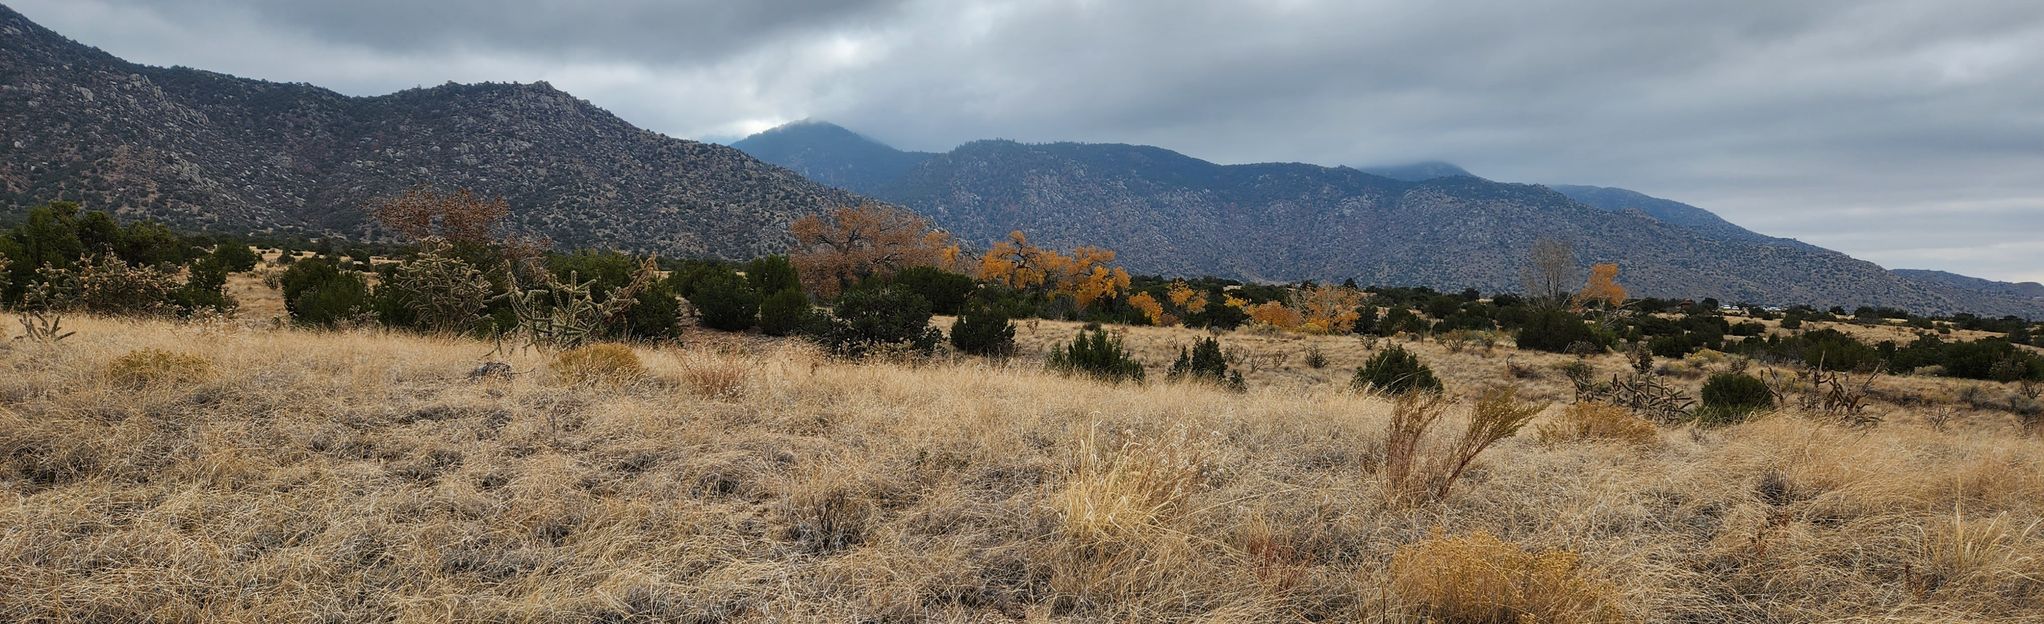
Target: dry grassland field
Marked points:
239	471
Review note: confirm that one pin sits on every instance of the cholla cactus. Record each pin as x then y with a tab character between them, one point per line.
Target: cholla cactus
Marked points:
105	284
41	320
557	315
446	293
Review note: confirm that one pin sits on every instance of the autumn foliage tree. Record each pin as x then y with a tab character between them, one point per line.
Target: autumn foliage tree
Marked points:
1603	286
460	217
837	249
1086	276
1327	309
1180	302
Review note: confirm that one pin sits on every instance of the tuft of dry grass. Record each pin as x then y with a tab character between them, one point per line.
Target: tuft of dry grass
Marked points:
598	364
1479	579
1598	422
715	377
153	367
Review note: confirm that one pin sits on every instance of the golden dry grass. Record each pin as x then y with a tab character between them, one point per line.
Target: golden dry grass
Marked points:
359	476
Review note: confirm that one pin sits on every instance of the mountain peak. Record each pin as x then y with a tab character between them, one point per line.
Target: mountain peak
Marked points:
831	154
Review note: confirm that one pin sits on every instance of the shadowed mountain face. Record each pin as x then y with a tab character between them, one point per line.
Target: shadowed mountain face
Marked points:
202	150
1173	214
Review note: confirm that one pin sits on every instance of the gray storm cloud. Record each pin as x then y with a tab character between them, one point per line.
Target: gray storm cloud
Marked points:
1903	132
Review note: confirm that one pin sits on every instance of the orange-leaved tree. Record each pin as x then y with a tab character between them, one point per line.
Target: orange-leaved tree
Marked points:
1275	314
460	217
836	249
1603	286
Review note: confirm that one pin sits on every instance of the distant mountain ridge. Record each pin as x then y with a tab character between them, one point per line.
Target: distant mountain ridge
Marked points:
1173	214
1417	172
203	150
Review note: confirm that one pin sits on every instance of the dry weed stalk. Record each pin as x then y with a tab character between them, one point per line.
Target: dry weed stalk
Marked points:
1410	476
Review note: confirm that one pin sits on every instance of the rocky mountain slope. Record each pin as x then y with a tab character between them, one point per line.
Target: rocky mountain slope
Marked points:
1173	214
203	150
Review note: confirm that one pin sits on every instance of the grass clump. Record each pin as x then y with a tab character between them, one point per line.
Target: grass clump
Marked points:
602	363
157	367
1099	354
1480	579
1598	422
1395	371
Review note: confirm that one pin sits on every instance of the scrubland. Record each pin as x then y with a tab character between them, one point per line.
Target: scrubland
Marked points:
240	472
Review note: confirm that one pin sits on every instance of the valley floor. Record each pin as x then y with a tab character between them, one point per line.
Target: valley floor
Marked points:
361	476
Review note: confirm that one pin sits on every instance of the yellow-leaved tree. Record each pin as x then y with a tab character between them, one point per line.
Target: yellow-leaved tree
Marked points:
1327	308
1603	286
1086	276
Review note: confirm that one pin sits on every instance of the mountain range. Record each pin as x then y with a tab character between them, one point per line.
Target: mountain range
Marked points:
1432	224
207	151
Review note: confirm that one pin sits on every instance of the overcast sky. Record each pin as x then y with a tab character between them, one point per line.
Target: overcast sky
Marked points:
1906	132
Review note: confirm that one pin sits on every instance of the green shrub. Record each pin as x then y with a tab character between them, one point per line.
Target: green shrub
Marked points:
785	312
206	286
1205	362
983	330
1554	330
725	301
656	312
1395	371
772	274
881	319
317	292
946	291
1097	353
1730	398
235	257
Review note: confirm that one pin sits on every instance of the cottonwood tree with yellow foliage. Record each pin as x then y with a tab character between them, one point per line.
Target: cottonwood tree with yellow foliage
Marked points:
1603	286
1180	301
1318	309
1327	309
835	250
1086	276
